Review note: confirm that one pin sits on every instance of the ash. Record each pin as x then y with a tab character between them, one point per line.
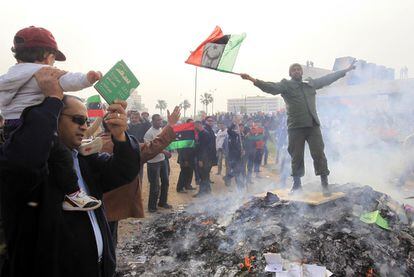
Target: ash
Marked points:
212	238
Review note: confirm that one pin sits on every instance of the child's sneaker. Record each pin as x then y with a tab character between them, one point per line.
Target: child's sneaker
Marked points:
80	201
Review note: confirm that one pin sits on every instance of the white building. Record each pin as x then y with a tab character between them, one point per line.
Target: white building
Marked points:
255	104
135	102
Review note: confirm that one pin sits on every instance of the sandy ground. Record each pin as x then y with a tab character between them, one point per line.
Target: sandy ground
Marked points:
130	227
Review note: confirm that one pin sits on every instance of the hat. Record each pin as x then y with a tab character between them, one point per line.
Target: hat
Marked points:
37	37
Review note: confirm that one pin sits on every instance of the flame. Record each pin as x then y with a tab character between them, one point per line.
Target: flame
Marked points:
207	222
370	272
247	262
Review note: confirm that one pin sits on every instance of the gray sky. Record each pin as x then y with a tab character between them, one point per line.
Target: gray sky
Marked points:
155	37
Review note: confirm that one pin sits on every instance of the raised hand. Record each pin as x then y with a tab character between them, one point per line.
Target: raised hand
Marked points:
174	116
352	65
247	77
116	120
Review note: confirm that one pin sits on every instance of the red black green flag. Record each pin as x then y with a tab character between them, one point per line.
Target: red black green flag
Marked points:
94	106
218	51
184	136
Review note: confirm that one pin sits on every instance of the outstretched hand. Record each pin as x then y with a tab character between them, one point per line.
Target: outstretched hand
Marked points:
352	65
174	116
245	76
93	76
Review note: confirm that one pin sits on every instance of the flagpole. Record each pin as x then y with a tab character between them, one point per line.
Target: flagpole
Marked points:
195	93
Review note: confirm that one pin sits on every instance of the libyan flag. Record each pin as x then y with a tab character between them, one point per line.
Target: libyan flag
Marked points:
94	106
184	136
218	51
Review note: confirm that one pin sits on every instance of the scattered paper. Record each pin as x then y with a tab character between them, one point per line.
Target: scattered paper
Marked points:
294	271
375	217
141	259
311	270
274	262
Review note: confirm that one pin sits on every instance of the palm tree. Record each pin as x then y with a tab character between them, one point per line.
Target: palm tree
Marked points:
161	105
206	99
185	105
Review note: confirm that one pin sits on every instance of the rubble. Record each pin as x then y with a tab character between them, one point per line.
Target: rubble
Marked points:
192	242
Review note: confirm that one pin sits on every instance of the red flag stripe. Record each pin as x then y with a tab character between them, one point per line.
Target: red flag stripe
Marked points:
184	127
95	113
196	55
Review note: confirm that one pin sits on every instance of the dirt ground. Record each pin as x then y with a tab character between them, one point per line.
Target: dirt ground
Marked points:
130	227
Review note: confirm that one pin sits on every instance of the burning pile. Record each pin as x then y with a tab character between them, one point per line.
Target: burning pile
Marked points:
188	243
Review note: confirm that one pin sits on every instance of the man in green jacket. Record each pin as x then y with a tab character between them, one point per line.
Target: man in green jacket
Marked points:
302	119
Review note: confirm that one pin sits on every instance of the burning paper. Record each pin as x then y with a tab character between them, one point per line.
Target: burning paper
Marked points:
274	262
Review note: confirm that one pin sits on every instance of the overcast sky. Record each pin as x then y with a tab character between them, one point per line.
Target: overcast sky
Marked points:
155	38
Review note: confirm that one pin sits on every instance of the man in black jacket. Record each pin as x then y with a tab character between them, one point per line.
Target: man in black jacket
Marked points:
235	151
186	160
42	239
206	155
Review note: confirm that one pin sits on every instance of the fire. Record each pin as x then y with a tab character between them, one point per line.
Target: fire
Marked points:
249	264
207	222
370	272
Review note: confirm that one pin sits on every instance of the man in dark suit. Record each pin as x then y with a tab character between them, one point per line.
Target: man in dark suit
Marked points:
206	155
42	239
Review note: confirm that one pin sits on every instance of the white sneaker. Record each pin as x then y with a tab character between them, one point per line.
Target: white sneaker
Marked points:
80	201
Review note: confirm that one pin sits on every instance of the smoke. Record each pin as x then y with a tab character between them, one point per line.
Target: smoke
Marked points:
364	134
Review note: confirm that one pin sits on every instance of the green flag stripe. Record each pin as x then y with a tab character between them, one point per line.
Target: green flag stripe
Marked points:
93	99
181	144
230	52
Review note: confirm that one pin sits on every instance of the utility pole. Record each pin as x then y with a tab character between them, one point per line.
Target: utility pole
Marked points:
195	93
212	103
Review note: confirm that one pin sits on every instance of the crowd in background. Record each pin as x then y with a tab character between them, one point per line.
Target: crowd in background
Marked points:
239	144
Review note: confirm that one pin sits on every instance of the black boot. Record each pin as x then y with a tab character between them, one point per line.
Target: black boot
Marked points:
297	185
325	185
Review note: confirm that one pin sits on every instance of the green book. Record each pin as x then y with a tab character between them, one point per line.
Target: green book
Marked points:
118	83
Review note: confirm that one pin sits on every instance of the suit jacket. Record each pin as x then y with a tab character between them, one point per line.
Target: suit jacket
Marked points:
45	240
206	146
126	201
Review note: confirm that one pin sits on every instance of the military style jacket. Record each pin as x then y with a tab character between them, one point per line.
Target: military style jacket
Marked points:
299	97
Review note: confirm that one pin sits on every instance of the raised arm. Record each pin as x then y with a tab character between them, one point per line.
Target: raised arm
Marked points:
330	78
78	81
122	167
268	87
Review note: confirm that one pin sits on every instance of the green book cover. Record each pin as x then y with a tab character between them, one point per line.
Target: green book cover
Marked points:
118	83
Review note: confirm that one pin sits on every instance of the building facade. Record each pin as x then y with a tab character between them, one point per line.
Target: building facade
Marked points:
135	102
255	104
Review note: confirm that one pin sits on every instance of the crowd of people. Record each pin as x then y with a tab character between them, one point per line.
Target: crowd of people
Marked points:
66	183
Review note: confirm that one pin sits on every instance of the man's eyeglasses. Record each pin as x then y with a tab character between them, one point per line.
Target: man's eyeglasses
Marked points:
78	119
